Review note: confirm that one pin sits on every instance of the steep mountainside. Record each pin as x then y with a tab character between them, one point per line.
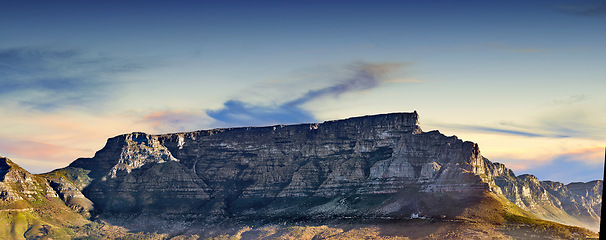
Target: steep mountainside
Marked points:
30	207
381	166
575	204
309	170
364	170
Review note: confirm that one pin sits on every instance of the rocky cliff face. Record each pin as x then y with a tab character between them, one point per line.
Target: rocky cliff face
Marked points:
574	204
19	187
136	173
588	194
256	171
373	166
31	208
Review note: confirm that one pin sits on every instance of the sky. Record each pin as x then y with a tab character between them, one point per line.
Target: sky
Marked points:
523	79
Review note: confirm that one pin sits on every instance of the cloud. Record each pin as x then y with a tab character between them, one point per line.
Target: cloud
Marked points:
571	100
363	77
37	150
592	155
505	131
579	166
497	130
176	121
530	50
574	121
509	48
548	128
48	79
237	113
586	11
403	80
565	119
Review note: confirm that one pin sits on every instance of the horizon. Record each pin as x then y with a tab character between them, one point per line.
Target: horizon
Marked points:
524	80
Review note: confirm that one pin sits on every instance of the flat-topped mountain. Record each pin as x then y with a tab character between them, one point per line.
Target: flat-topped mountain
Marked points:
367	169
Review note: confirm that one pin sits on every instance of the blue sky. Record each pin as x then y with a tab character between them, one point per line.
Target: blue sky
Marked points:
523	79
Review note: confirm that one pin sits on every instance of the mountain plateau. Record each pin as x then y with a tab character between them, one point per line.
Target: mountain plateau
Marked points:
372	174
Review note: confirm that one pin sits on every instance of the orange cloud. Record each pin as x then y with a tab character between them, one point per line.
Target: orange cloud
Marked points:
591	155
516	167
522	161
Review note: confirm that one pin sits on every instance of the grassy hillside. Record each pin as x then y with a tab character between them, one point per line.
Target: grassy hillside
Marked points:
26	225
38	217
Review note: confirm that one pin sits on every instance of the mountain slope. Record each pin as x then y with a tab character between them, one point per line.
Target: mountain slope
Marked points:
262	172
579	206
30	207
374	172
372	167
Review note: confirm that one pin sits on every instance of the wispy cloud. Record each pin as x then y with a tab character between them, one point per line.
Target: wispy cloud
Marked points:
238	113
403	80
581	164
364	76
501	130
530	50
577	166
547	128
571	100
586	11
47	79
508	48
505	131
565	118
176	121
591	155
37	150
574	121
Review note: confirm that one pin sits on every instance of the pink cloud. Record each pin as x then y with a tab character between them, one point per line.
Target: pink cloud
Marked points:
39	150
518	163
170	121
592	155
517	166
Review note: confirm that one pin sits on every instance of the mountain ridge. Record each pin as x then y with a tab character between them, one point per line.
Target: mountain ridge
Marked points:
383	126
370	167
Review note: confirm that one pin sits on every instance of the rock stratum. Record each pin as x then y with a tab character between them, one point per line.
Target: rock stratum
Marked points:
364	169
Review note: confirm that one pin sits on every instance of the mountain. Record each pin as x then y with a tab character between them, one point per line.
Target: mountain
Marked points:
379	172
576	204
30	207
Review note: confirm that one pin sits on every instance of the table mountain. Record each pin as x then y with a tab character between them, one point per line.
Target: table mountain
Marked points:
370	168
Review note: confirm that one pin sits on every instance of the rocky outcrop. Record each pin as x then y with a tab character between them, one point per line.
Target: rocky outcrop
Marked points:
31	208
582	201
574	204
18	187
136	173
589	194
68	184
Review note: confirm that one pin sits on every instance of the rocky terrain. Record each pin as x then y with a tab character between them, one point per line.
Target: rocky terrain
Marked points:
30	207
374	169
576	204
